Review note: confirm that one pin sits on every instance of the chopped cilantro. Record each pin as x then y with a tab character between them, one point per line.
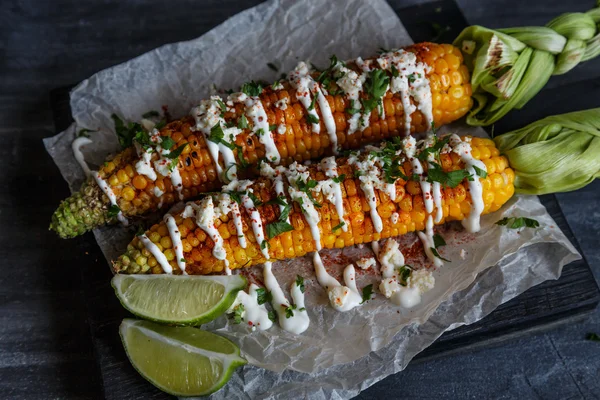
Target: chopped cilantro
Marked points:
300	283
235	196
518	222
223	106
272	316
277	228
254	199
237	313
449	179
403	274
243	122
312	103
167	143
435	253
312	119
174	155
272	127
218	136
339	179
338	226
367	293
264	244
289	311
263	296
161	124
395	72
438	240
252	88
480	172
113	211
140	231
183	260
434	150
375	86
125	133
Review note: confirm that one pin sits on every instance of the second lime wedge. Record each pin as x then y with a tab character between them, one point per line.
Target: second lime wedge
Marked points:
177	299
182	361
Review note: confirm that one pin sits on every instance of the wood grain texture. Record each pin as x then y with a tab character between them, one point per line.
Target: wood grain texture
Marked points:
47	314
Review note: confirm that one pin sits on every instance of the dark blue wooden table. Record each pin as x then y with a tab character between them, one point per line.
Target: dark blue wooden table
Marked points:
46	349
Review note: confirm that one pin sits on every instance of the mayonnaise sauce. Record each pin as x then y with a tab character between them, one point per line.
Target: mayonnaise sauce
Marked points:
341	298
428	243
176	241
155	251
463	149
106	189
298	322
76	146
254	314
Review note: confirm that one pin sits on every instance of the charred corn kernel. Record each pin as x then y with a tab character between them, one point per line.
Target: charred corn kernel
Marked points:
140	182
122	175
114	180
410	210
450	93
128	193
154	236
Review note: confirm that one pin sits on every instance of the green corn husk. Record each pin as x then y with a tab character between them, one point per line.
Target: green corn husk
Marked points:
510	66
555	154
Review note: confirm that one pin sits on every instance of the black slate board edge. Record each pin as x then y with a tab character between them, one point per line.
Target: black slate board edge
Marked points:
540	308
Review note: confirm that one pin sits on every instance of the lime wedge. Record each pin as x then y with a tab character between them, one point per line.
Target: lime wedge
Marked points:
181	361
177	299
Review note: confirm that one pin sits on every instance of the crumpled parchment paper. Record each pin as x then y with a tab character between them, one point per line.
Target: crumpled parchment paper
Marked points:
341	353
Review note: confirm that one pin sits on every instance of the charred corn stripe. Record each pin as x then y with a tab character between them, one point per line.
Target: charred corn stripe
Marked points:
405	214
136	195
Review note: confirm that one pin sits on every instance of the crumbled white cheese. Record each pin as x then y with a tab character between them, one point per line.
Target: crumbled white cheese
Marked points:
366	262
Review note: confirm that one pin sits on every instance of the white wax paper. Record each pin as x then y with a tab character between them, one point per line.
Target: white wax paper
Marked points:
341	353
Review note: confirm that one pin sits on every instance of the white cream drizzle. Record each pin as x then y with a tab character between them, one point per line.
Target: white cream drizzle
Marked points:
155	251
256	111
299	321
207	116
176	241
76	146
301	80
237	221
411	81
256	315
106	189
205	214
341	298
463	149
332	189
428	243
391	258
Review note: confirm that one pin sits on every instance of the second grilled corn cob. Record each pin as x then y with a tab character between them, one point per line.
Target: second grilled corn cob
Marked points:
294	128
264	226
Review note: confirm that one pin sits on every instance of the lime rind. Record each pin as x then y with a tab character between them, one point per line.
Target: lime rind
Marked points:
230	361
232	284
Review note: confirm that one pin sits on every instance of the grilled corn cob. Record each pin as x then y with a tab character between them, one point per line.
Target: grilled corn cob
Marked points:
407	213
136	194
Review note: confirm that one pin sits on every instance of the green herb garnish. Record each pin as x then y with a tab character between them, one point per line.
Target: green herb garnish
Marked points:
263	296
518	222
113	211
367	293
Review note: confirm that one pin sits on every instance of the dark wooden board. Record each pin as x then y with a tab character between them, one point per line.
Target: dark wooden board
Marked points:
570	297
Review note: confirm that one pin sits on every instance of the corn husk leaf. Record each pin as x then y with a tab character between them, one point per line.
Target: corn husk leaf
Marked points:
556	154
538	37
